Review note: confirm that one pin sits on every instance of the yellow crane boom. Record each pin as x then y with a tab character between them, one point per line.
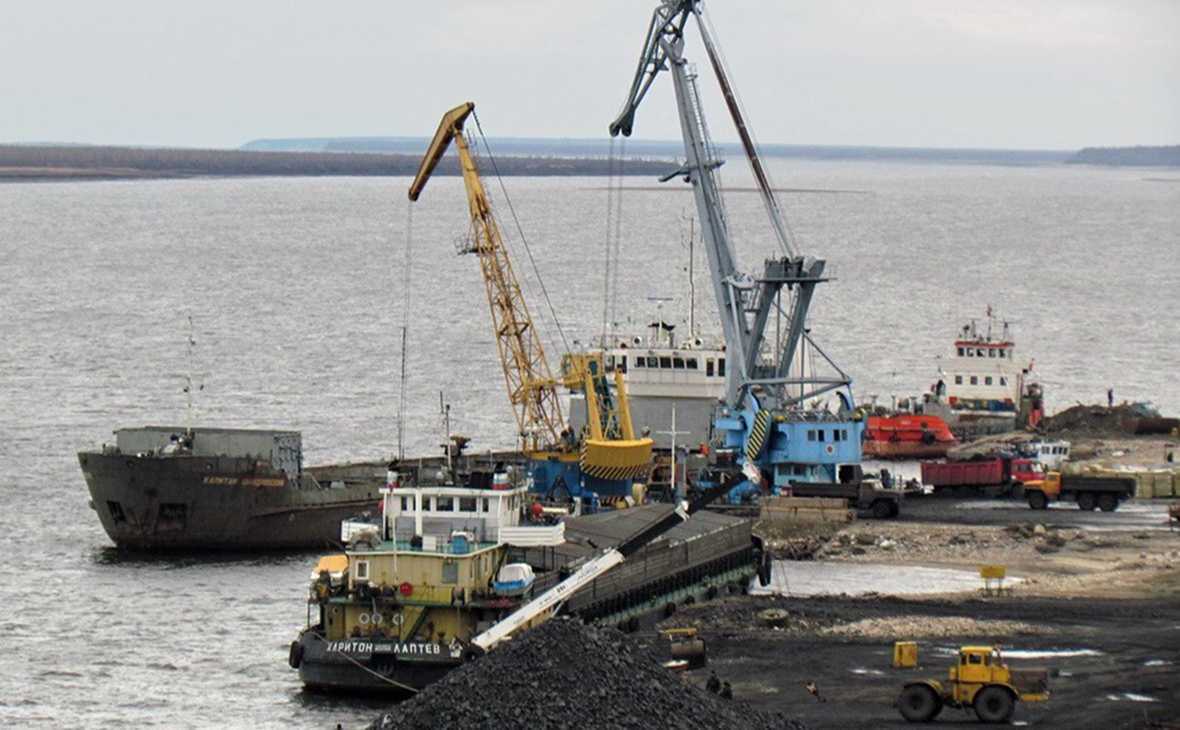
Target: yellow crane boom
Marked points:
608	450
532	389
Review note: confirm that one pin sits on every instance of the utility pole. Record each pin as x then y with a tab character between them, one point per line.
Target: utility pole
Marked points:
678	487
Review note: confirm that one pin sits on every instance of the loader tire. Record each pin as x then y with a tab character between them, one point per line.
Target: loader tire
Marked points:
919	703
994	704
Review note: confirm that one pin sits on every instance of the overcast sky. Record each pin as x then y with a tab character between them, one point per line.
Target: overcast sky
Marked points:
1022	74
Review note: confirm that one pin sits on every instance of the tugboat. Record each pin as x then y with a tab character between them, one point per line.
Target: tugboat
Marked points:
440	579
394	611
665	374
166	488
983	388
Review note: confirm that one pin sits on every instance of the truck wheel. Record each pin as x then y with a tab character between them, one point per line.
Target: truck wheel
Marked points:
1108	502
994	704
919	703
882	510
1038	500
1086	501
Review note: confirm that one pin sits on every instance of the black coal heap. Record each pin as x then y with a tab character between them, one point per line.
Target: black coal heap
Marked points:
563	675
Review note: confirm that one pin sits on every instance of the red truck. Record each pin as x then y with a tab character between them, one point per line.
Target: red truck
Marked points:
999	475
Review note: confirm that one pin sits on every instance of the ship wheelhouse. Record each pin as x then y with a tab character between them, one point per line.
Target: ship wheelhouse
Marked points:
983	373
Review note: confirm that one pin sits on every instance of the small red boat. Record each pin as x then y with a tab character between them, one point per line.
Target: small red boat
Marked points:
906	436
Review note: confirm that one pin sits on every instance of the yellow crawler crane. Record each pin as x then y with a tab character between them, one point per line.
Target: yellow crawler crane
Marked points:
607	451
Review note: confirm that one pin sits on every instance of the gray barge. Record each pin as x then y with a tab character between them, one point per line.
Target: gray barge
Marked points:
161	488
710	553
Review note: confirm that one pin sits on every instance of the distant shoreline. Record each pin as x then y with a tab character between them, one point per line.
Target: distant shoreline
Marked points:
31	163
1128	156
517	157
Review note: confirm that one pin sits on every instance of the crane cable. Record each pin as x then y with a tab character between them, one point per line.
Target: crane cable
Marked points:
618	236
610	200
707	21
520	232
406	265
614	217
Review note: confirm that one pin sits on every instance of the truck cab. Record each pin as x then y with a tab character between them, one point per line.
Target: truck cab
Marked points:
1023	471
1049	484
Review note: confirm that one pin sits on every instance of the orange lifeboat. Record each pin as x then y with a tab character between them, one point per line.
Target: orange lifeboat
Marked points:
907	437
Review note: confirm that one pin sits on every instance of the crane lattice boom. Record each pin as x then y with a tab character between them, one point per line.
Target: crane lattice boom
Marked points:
532	389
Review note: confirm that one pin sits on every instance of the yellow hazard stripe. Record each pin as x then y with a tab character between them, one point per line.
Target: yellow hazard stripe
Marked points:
757	434
613	472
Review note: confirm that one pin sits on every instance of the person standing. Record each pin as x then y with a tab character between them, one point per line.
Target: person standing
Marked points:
1110	398
714	684
726	691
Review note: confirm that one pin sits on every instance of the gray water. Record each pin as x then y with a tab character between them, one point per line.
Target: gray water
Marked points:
297	291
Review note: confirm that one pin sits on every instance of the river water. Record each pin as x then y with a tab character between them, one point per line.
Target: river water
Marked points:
298	292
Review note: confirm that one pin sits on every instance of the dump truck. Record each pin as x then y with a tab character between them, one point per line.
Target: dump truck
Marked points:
1001	475
980	681
1105	493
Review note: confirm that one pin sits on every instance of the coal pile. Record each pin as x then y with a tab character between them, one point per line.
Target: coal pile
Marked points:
563	675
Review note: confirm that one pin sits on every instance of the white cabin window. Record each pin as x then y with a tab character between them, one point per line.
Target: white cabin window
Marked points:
960	352
958	380
708	368
987	380
1003	380
640	362
1003	352
466	504
666	362
970	352
362	570
721	367
991	352
974	380
691	364
979	353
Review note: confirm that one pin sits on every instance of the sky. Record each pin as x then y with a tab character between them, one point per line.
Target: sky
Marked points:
1012	74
